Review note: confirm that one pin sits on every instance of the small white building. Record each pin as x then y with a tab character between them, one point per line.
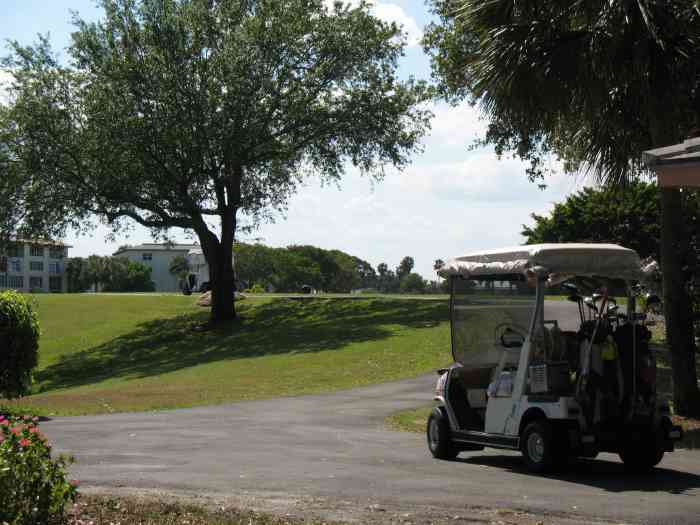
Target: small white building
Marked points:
34	266
158	258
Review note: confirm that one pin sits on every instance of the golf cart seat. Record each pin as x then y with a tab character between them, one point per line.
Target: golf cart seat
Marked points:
468	396
475	377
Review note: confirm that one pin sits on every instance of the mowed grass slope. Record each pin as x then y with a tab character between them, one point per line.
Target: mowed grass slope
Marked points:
107	353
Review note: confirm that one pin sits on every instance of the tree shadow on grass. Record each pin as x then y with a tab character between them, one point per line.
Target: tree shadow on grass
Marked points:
282	326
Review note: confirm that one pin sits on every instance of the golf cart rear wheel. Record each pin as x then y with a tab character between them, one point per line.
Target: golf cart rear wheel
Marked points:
537	445
641	456
438	434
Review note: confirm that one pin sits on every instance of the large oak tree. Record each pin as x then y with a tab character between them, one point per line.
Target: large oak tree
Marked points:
207	114
596	83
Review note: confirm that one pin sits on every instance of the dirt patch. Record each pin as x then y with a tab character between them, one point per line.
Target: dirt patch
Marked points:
123	505
205	299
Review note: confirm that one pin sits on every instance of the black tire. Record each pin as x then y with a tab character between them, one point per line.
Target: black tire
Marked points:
642	456
538	447
438	434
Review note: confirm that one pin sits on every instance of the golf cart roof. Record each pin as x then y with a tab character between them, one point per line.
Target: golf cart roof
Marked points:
602	260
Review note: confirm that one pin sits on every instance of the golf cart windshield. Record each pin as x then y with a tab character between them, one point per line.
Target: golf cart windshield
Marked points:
490	316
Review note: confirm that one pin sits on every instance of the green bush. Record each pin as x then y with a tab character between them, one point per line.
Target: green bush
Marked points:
256	288
19	344
33	486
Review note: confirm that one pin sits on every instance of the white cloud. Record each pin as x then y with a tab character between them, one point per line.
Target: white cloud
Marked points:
395	13
389	12
454	125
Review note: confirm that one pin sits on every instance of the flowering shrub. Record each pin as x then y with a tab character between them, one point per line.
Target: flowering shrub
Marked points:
33	486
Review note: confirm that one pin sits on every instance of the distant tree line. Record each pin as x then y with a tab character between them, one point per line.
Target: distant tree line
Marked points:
291	268
262	268
107	274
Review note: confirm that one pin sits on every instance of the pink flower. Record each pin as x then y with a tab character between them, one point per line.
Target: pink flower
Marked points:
74	482
23	442
5	423
35	419
33	430
2	438
16	431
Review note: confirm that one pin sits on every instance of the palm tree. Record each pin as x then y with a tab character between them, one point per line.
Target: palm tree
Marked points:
596	83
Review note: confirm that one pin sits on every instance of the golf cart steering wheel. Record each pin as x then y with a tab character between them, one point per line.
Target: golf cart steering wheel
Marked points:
510	335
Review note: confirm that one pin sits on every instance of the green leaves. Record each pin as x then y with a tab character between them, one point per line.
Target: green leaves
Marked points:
165	103
288	269
19	344
173	112
627	216
596	83
108	274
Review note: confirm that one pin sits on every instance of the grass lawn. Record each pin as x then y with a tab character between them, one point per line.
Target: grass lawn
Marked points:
414	420
107	353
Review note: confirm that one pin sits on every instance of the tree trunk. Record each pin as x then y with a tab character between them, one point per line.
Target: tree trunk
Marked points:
219	256
223	287
677	307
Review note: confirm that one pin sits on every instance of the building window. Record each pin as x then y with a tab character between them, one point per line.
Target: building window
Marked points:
3	264
3	281
36	283
15	250
147	256
54	267
56	252
16	282
16	265
36	250
55	284
36	266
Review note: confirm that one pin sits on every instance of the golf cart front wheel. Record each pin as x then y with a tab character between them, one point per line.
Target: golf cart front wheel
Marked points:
537	446
438	434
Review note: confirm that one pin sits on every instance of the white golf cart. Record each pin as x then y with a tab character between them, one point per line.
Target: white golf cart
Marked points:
551	378
197	279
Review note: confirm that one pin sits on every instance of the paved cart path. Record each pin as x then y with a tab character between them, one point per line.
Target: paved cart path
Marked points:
335	446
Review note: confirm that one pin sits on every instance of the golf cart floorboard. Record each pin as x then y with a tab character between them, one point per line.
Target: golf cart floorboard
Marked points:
486	439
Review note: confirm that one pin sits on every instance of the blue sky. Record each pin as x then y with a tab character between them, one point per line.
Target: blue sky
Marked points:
448	201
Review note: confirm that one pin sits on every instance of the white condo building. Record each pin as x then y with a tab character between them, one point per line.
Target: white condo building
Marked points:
158	258
34	266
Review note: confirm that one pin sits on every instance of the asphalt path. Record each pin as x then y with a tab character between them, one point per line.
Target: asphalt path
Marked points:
336	446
